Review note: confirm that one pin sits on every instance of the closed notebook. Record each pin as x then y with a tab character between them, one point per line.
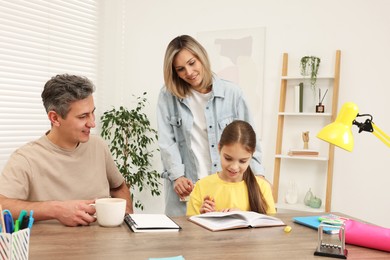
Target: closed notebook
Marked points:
151	223
314	222
218	221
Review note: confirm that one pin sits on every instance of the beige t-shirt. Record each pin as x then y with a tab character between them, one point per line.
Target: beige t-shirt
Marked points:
41	171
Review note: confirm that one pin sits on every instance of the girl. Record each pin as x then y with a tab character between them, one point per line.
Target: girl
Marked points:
235	187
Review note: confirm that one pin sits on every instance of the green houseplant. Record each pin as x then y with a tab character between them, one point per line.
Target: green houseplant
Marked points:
131	136
309	66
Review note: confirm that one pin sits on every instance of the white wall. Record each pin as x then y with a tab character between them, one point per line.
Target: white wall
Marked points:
359	28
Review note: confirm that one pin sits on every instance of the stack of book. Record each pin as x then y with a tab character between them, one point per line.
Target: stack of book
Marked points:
302	152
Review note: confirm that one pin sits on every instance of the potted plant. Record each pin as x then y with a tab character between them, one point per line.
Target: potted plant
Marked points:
131	136
309	66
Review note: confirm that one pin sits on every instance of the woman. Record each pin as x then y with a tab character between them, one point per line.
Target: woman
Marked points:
194	107
235	187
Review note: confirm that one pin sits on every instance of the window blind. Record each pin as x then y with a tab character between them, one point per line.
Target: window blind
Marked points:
40	39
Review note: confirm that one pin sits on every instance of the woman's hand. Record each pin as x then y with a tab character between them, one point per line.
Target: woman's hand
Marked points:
208	205
183	187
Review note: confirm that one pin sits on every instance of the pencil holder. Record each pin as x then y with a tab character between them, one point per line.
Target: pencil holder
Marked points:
15	246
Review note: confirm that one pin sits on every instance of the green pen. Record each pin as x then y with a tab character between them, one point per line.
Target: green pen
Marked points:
17	224
21	215
20	218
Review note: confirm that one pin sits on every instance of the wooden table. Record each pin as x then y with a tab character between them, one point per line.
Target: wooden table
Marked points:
51	240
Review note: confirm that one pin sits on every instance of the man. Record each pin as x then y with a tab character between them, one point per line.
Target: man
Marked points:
62	173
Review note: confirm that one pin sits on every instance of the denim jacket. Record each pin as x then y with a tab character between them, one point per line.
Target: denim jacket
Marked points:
175	122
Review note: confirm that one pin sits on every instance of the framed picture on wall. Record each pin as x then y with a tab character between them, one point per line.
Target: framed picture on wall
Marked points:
238	56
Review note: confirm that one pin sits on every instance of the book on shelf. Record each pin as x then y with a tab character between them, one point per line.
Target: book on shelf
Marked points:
150	223
315	221
218	221
298	98
302	152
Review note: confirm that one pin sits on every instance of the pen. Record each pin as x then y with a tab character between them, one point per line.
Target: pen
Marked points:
31	219
21	215
17	224
24	223
19	221
2	220
9	222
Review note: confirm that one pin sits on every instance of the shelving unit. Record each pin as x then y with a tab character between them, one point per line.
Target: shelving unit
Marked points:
306	119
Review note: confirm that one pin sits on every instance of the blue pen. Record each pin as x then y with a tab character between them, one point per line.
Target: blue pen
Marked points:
9	222
31	219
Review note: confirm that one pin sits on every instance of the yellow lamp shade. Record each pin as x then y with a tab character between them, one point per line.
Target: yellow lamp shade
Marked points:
339	132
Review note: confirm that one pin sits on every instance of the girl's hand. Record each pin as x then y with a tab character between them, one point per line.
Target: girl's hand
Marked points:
208	205
230	209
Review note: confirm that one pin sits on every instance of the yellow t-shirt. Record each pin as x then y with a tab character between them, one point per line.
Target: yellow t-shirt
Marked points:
226	194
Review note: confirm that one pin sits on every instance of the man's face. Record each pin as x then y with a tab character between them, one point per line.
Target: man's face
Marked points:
76	126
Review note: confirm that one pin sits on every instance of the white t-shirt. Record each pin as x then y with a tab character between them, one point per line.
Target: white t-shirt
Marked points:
199	141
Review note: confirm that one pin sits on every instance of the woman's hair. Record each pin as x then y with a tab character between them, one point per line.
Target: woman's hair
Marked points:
173	82
62	90
242	132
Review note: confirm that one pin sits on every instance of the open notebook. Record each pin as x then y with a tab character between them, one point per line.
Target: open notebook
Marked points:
150	223
218	221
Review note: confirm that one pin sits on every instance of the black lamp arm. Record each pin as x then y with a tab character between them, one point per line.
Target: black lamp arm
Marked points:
366	126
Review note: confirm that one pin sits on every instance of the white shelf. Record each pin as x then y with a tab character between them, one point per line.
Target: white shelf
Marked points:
288	124
299	207
304	114
299	77
313	158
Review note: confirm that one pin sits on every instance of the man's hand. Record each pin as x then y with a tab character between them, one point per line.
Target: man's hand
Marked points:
183	187
75	212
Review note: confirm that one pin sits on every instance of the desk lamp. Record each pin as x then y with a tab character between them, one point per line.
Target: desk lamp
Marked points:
339	132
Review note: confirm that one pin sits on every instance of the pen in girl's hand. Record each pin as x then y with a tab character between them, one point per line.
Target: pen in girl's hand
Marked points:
208	197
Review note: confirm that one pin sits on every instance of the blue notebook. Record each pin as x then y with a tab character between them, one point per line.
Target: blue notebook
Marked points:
314	222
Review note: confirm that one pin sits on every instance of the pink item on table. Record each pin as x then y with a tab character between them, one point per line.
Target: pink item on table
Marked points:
366	235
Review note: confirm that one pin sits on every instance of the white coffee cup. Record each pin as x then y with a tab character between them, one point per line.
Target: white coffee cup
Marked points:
110	212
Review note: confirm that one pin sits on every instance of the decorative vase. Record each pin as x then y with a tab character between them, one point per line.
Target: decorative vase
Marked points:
315	202
308	197
292	193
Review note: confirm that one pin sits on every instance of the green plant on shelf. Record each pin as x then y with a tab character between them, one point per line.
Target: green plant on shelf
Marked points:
309	67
